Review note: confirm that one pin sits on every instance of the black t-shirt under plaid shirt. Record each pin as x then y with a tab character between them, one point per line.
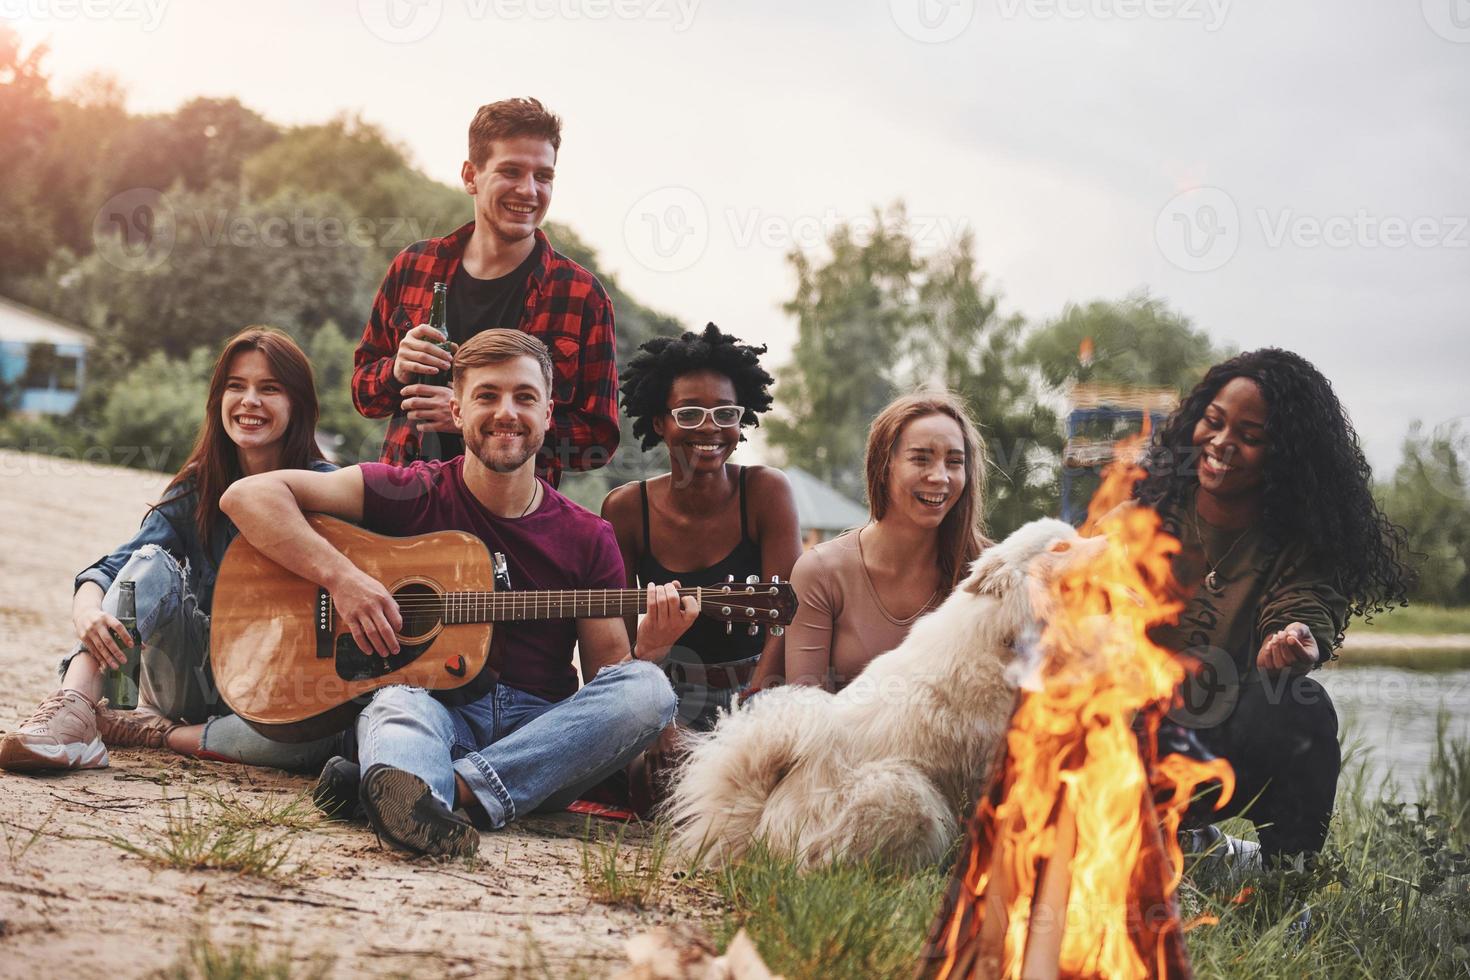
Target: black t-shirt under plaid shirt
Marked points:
475	305
564	306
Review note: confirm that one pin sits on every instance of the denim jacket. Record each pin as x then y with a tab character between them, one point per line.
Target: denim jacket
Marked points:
171	527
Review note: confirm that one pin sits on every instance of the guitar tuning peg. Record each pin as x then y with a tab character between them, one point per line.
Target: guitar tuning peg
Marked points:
778	631
775	580
729	578
729	628
752	629
752	579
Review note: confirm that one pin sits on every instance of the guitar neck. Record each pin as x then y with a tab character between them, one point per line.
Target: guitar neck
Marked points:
502	607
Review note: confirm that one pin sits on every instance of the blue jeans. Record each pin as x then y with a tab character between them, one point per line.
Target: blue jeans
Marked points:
175	679
515	751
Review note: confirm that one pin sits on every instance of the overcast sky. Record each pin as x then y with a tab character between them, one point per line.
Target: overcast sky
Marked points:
1295	174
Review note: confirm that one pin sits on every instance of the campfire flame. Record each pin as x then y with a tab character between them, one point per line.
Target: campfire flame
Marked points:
1073	860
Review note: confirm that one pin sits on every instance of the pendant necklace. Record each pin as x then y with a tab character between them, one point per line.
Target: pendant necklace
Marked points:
1210	579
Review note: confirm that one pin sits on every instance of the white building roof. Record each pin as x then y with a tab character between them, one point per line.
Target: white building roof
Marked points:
23	325
819	506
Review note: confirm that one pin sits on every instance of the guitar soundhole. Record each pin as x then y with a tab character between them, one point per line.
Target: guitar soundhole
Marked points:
422	609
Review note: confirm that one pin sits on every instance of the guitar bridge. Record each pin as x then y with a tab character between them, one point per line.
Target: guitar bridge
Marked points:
323	624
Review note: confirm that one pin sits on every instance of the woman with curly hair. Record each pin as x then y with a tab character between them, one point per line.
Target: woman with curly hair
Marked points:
860	592
1260	476
707	518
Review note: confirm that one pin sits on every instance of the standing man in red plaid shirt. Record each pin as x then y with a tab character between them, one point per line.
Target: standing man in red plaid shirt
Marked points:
502	272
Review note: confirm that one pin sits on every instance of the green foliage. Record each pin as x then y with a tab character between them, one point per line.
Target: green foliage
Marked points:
232	264
1429	496
152	415
875	319
358	439
1135	341
354	162
960	341
26	121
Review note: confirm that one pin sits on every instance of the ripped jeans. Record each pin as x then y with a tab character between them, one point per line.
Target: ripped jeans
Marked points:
176	681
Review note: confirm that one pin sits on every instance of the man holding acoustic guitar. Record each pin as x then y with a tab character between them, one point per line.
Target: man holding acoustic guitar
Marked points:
531	738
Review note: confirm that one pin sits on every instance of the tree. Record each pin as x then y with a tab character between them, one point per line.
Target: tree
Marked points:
1135	341
852	312
960	340
354	161
360	439
1430	496
26	121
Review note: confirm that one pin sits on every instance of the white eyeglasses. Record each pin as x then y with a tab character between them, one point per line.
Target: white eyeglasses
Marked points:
692	416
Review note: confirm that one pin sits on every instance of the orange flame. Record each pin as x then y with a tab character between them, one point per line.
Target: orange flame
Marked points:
1074	782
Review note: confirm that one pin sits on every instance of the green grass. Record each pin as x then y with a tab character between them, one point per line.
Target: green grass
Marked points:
1417	619
1390	897
845	921
211	832
203	960
616	873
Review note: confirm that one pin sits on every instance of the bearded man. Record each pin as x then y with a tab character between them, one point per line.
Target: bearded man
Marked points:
534	740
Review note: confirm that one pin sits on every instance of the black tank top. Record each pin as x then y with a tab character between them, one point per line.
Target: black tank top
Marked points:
706	641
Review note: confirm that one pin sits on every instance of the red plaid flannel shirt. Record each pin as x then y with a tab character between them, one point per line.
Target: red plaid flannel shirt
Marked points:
566	308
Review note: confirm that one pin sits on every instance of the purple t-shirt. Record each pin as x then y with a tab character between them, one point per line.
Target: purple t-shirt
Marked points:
559	545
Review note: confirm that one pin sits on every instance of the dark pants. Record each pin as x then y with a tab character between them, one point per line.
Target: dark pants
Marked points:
1281	740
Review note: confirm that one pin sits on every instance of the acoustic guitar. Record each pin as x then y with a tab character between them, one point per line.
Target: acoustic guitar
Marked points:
286	664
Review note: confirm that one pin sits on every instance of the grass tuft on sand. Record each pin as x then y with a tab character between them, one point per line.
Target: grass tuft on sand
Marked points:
630	875
203	960
213	832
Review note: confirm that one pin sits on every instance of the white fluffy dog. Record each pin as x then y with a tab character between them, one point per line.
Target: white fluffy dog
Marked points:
883	768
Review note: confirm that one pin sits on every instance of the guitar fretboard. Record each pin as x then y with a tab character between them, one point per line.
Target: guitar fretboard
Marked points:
494	607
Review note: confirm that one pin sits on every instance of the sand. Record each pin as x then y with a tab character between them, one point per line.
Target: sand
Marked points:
73	903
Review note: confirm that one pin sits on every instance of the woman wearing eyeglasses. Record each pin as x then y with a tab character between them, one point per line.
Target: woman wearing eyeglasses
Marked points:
707	518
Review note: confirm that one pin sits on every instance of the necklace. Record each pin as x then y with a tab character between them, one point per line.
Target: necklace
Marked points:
862	560
535	493
1210	579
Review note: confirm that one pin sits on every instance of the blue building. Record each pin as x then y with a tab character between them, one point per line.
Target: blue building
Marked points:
42	361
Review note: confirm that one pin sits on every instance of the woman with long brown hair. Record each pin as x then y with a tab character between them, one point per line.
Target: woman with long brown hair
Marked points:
260	415
861	591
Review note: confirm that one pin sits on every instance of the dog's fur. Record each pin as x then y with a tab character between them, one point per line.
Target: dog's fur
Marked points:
884	768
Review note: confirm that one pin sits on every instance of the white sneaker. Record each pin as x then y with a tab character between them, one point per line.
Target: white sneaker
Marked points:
1216	849
60	734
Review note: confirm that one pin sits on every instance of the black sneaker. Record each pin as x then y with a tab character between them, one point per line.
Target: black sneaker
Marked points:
335	793
403	810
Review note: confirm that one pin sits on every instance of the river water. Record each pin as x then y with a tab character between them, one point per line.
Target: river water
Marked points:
1388	718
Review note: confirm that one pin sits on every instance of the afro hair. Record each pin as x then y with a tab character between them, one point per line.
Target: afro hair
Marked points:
649	377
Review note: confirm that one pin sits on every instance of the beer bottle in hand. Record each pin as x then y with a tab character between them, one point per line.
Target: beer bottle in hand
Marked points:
439	320
120	684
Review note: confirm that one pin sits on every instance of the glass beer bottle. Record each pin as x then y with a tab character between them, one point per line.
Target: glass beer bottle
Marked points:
439	320
120	684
